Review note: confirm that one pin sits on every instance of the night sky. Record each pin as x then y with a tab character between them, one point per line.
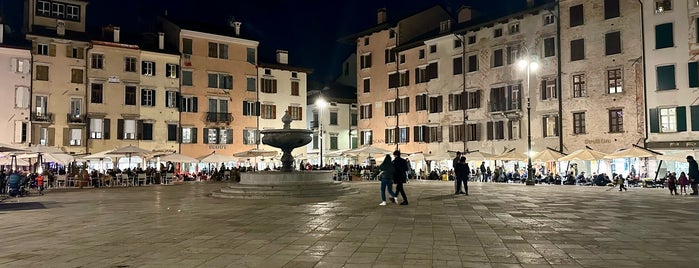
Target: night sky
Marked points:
308	29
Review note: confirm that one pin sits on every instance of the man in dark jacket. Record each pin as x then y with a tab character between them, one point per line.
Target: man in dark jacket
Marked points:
400	175
454	163
693	174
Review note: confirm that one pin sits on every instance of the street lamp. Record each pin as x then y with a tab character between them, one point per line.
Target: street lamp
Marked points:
530	66
321	103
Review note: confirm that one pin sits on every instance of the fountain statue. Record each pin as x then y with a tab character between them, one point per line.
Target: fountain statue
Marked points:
286	139
287	182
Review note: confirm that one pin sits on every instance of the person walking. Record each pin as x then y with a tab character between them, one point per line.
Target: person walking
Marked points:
672	183
386	176
400	175
40	183
465	171
693	173
620	180
683	181
482	169
459	175
454	163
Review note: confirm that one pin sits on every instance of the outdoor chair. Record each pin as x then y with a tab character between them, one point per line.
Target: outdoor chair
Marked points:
61	180
141	179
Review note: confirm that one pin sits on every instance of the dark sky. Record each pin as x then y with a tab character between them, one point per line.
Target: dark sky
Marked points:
308	29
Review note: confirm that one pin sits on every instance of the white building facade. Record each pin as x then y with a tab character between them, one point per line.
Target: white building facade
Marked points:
14	107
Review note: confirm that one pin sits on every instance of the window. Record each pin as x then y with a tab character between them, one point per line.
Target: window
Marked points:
513	28
391	33
296	112
663	5
419	134
187	78
366	137
147	97
403	135
512	54
365	112
20	65
189	104
42	72
97	61
472	63
421	102
457	133
549	19
74	52
576	16
211	135
497	32
189	135
365	61
666	77
550	126
389	55
217	50
436	104
579	86
456	101
473	100
664	36
171	70
148	68
579	123
549	47
22	97
458	65
421	75
399	79
171	132
96	93
403	105
611	9
251	108
99	128
471	39
171	99
616	121
473	132
614	81
315	139
612	43
457	43
250	136
497	58
76	105
20	132
390	136
269	111
58	10
366	41
444	26
129	95
43	8
693	74
294	88
268	71
433	49
74	137
421	54
577	49
44	136
389	108
432	70
130	64
668	120
353	119
76	76
504	99
269	85
219	80
187	46
366	82
333	118
72	12
218	111
548	89
42	49
403	78
402	59
251	84
433	134
333	141
250	55
495	130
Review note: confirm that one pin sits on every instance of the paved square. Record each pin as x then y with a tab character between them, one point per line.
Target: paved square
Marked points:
498	225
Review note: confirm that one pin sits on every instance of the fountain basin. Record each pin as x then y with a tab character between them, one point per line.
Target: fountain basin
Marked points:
286	178
286	138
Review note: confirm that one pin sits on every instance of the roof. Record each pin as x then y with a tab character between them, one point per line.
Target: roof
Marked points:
51	32
383	26
223	30
287	67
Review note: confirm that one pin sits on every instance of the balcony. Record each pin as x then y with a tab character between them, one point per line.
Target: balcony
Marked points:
505	107
314	124
76	119
218	117
42	117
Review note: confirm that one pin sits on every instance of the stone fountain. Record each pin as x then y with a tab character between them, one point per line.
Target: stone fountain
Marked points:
287	182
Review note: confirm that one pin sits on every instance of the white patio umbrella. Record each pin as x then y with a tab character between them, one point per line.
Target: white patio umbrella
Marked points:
547	155
178	158
511	156
5	161
216	158
439	156
255	153
585	154
477	155
130	151
366	151
62	159
633	152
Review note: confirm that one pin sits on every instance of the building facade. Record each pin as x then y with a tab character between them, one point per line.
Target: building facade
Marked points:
15	112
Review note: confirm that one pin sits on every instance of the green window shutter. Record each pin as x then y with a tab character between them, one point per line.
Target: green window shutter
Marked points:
694	113
697	29
663	36
693	74
666	77
681	113
654	120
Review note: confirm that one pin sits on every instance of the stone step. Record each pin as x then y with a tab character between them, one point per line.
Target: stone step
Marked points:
283	190
247	191
266	194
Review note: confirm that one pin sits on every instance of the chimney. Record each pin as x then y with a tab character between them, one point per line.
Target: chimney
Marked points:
2	32
530	3
60	28
380	15
282	56
116	34
161	40
236	25
464	14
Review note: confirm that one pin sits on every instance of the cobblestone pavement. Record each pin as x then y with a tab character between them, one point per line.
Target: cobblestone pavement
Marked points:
498	225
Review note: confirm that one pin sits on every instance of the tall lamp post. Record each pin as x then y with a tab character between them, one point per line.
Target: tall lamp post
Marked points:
530	66
321	103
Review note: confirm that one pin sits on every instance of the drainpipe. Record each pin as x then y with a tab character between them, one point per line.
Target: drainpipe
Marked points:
558	80
178	103
257	104
31	92
87	87
463	81
643	55
395	106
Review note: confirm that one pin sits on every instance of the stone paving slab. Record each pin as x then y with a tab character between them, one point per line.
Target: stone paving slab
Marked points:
498	225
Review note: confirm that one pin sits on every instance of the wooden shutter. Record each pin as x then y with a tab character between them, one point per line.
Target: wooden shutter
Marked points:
195	104
81	53
694	114
654	120
439	134
407	134
452	129
105	128
148	131
543	89
139	129
205	136
194	135
120	129
393	80
143	67
52	136
693	69
143	95
416	129
681	113
52	50
153	95
66	136
509	130
69	51
432	71
489	130
229	136
478	131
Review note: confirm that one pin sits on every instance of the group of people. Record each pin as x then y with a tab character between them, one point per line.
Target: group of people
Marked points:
691	178
393	172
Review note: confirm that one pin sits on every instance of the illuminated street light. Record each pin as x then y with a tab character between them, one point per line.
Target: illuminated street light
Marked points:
321	104
530	66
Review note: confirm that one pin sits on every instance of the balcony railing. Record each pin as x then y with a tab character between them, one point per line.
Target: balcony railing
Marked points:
76	119
218	117
42	117
513	106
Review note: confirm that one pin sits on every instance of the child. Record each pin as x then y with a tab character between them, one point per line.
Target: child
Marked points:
683	181
672	183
